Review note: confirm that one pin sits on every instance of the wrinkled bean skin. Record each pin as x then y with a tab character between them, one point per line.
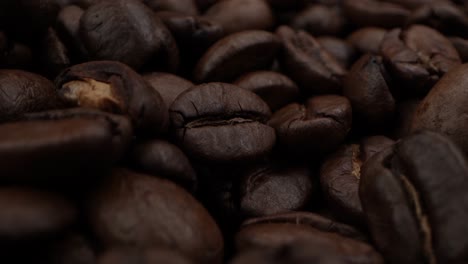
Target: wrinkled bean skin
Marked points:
412	217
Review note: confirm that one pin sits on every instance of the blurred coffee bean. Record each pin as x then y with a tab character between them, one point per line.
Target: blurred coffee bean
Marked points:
340	176
29	214
372	13
271	189
317	127
461	45
240	15
418	56
367	39
443	16
188	7
68	29
308	63
54	54
443	110
162	159
231	56
129	32
340	49
222	123
367	87
114	87
149	211
169	86
414	198
23	92
320	20
274	88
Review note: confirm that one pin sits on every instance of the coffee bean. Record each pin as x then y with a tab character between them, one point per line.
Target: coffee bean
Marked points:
230	57
150	211
241	15
181	6
222	123
413	196
169	86
308	63
114	87
129	32
55	57
68	29
276	89
367	39
320	20
373	13
418	57
340	49
315	128
162	159
23	92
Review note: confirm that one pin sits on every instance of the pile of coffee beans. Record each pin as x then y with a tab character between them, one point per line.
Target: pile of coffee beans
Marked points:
233	131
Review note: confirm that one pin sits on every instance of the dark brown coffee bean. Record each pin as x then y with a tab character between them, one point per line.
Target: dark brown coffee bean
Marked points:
375	13
310	219
418	56
308	63
443	109
272	189
231	56
142	256
274	88
414	196
443	16
340	49
320	20
181	6
461	45
367	87
222	123
161	158
58	152
116	88
68	28
31	215
23	92
169	86
131	209
316	128
367	39
240	15
54	57
340	175
129	32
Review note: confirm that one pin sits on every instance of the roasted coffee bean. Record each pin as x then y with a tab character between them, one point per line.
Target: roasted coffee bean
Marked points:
443	16
142	256
308	63
375	13
276	89
461	45
162	159
240	15
59	152
320	20
414	198
181	6
169	86
367	87
418	56
129	32
222	123
273	235
68	29
114	87
272	189
443	109
344	52
367	40
131	209
231	56
317	127
23	92
340	175
29	214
